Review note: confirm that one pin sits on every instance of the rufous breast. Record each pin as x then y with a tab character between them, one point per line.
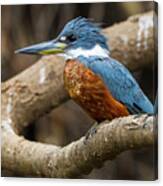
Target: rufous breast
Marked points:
89	91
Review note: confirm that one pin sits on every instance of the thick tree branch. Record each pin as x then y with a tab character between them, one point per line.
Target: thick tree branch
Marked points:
40	88
33	92
132	42
80	157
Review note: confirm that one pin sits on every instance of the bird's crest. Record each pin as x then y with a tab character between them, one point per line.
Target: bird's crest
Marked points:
82	22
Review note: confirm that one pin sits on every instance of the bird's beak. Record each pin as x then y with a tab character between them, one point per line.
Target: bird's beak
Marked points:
45	48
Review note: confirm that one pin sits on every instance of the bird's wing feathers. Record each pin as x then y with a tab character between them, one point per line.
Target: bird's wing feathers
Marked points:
122	85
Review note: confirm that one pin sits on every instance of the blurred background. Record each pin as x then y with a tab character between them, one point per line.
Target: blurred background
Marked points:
24	25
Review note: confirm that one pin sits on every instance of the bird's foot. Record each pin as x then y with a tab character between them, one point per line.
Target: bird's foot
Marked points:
91	132
144	119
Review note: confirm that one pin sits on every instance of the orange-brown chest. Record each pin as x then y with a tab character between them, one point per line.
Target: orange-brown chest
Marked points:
90	92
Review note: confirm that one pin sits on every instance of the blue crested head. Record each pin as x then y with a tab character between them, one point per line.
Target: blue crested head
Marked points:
79	37
83	33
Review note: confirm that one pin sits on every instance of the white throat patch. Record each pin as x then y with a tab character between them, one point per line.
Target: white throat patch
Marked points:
95	51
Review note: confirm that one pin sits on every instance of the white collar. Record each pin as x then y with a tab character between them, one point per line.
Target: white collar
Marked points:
97	50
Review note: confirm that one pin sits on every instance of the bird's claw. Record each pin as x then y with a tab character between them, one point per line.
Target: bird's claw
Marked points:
145	118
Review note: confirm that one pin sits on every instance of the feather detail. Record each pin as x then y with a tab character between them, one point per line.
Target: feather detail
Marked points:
90	92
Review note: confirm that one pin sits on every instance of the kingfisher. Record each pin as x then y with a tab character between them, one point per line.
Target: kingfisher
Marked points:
101	85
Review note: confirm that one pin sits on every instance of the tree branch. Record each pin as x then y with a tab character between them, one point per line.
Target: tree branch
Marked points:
40	88
80	157
132	41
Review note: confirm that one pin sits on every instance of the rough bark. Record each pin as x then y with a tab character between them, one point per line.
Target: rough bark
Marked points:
40	88
33	92
80	157
132	41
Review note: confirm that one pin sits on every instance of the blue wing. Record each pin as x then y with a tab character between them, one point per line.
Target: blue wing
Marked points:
121	84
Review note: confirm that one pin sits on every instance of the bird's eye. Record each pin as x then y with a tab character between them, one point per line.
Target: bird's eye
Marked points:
71	38
67	39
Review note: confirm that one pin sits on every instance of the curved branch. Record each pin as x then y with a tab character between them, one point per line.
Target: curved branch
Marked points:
79	157
33	92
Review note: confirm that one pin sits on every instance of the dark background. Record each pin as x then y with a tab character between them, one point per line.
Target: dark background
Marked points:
24	25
